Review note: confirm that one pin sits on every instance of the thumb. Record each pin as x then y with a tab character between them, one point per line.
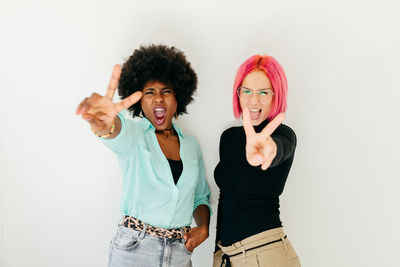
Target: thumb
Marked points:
92	120
88	117
187	235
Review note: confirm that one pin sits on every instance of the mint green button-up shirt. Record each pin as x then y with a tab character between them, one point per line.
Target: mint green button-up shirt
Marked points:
149	192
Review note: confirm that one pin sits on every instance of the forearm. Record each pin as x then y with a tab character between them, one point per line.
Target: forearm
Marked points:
285	141
202	217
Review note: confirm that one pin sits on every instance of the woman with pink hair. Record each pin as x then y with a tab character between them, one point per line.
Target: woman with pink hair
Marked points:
255	161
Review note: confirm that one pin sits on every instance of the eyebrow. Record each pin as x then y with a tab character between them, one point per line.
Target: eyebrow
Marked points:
153	89
257	89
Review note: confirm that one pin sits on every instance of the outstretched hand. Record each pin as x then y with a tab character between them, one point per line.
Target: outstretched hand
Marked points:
260	147
101	111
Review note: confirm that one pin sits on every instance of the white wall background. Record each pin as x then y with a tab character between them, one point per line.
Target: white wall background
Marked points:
60	187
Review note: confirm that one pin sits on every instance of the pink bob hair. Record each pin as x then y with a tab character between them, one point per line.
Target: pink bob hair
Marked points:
275	74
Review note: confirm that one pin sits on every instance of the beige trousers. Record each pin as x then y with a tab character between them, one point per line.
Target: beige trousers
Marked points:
278	254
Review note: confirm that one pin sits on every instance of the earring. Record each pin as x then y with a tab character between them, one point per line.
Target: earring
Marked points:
141	114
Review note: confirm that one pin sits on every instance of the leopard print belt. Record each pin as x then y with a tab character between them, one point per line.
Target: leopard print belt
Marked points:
135	224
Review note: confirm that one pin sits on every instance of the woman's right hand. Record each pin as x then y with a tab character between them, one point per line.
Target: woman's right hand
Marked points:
100	111
260	147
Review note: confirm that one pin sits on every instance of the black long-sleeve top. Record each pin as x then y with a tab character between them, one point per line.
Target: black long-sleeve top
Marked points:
249	196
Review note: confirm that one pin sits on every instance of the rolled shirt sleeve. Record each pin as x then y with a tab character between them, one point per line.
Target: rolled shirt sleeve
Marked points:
202	191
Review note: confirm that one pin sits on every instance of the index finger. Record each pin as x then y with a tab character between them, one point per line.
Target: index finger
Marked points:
113	82
129	101
272	125
247	125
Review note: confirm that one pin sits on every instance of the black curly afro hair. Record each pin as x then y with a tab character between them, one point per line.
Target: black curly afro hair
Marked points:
161	63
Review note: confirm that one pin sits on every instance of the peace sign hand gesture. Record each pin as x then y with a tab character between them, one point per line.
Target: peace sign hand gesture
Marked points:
260	147
100	111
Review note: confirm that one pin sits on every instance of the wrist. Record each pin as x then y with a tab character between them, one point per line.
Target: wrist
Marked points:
204	230
107	134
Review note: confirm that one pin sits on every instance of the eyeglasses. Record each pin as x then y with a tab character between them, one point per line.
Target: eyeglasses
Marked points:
262	94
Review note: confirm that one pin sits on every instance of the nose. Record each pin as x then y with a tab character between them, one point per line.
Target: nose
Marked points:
253	99
158	98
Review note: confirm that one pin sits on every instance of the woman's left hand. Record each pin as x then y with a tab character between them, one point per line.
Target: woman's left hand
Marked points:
260	147
195	237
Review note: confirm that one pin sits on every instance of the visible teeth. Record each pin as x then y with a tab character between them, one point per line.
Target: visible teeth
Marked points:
254	110
159	112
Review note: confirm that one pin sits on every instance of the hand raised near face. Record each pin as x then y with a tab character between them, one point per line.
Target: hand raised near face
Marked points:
100	111
260	147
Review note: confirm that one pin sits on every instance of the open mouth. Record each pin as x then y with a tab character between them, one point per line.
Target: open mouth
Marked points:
159	115
255	113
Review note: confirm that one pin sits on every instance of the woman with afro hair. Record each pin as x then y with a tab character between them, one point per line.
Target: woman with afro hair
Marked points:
164	184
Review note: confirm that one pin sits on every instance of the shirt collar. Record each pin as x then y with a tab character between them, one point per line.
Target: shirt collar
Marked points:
148	126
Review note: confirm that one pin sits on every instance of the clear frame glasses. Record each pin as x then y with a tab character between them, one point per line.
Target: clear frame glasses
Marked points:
261	94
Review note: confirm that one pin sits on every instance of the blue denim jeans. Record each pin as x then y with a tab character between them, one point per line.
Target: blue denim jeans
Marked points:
138	249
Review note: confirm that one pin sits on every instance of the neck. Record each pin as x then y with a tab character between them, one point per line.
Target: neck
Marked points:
261	126
166	132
